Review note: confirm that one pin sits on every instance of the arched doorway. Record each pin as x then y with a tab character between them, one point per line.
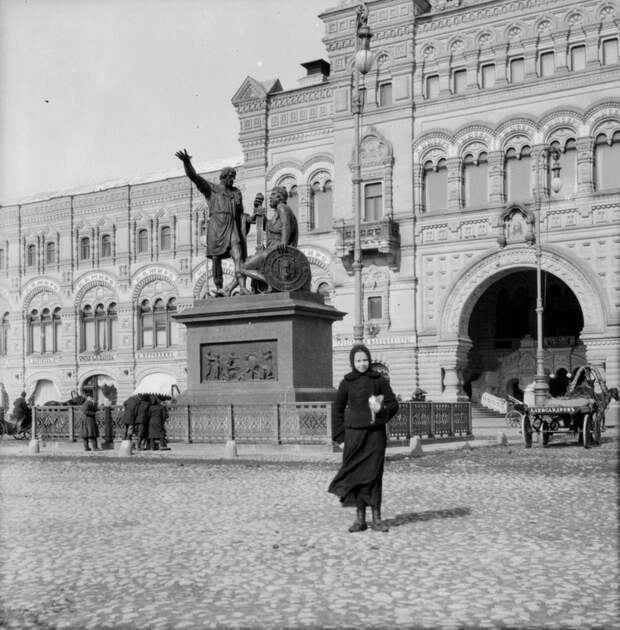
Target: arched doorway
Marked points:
102	388
502	329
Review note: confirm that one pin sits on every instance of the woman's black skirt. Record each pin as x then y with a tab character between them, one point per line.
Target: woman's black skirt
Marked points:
359	481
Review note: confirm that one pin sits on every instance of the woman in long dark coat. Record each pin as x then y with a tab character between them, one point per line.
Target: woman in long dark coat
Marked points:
89	430
158	415
359	481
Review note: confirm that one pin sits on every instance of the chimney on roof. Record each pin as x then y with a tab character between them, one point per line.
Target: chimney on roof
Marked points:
317	71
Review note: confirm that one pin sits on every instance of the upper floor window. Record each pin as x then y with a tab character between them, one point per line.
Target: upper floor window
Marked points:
293	201
373	201
84	248
385	94
578	57
50	253
4	334
31	255
375	307
321	206
517	171
157	329
609	51
607	161
43	330
459	81
435	186
143	241
475	180
516	68
487	75
165	238
432	86
98	327
546	64
106	246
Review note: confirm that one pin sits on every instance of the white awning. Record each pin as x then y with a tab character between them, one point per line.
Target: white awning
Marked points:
156	383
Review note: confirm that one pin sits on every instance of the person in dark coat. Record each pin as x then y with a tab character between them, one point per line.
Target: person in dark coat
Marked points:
364	404
89	430
21	412
129	413
158	415
142	421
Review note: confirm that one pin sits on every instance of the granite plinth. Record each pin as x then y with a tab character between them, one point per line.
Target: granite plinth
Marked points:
269	348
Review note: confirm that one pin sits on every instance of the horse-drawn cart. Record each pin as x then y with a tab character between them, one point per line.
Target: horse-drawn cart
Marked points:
581	412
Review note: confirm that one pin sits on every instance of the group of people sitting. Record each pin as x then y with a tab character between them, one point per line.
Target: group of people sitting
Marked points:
145	422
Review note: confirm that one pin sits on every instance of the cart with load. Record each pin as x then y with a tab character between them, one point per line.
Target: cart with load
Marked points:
581	412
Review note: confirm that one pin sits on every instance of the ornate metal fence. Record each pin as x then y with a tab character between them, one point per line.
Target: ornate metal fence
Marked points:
284	423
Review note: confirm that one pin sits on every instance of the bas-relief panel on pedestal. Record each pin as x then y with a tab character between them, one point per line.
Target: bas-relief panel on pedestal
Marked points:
241	361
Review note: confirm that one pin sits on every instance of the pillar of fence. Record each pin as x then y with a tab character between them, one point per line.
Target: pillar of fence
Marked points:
189	425
108	432
33	447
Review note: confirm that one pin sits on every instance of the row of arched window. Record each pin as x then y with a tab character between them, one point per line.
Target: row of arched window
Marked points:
156	328
519	174
43	331
317	214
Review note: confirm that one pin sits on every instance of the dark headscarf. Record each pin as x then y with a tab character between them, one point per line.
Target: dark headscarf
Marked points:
359	347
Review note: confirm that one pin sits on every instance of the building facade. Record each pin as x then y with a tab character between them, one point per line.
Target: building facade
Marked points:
462	113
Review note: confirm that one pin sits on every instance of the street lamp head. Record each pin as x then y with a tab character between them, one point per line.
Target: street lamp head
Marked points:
363	60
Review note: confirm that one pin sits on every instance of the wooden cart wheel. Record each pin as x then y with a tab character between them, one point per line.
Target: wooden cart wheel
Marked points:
586	431
596	429
513	418
545	433
526	430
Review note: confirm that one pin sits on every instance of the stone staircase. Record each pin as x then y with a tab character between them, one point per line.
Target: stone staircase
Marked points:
486	423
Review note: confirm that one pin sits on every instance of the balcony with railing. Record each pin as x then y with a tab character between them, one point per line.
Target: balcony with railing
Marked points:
380	238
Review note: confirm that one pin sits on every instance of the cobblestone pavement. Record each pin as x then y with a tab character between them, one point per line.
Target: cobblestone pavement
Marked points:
494	537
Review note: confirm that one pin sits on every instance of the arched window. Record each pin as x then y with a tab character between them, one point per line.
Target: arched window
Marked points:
2	259
518	166
475	180
321	206
4	334
143	241
101	328
146	324
112	325
47	333
31	255
607	162
50	253
106	246
84	248
165	240
173	325
161	323
87	317
568	174
56	323
34	331
293	201
435	186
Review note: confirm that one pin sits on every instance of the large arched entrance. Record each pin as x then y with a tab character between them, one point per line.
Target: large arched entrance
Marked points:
502	330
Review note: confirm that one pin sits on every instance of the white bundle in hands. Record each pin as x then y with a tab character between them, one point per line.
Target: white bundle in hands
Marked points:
375	403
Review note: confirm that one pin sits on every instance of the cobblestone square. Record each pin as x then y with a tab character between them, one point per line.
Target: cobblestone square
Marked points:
492	537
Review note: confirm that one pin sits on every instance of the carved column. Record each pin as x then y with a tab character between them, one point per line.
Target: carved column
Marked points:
585	166
418	188
496	178
455	183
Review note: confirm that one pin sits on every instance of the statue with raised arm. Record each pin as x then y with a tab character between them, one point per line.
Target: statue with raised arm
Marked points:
277	264
227	225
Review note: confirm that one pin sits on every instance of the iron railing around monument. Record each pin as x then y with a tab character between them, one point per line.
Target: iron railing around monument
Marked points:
282	423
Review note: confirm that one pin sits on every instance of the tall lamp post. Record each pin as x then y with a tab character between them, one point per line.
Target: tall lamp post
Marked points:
363	63
541	384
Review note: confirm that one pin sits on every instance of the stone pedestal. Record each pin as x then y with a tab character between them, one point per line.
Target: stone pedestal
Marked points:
269	348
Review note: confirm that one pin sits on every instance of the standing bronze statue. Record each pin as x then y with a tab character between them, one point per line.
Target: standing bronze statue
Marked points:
227	225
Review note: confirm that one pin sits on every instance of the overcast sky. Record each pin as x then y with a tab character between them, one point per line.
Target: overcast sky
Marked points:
98	90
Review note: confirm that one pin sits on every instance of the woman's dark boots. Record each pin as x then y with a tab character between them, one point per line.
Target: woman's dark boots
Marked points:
377	524
86	446
360	522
